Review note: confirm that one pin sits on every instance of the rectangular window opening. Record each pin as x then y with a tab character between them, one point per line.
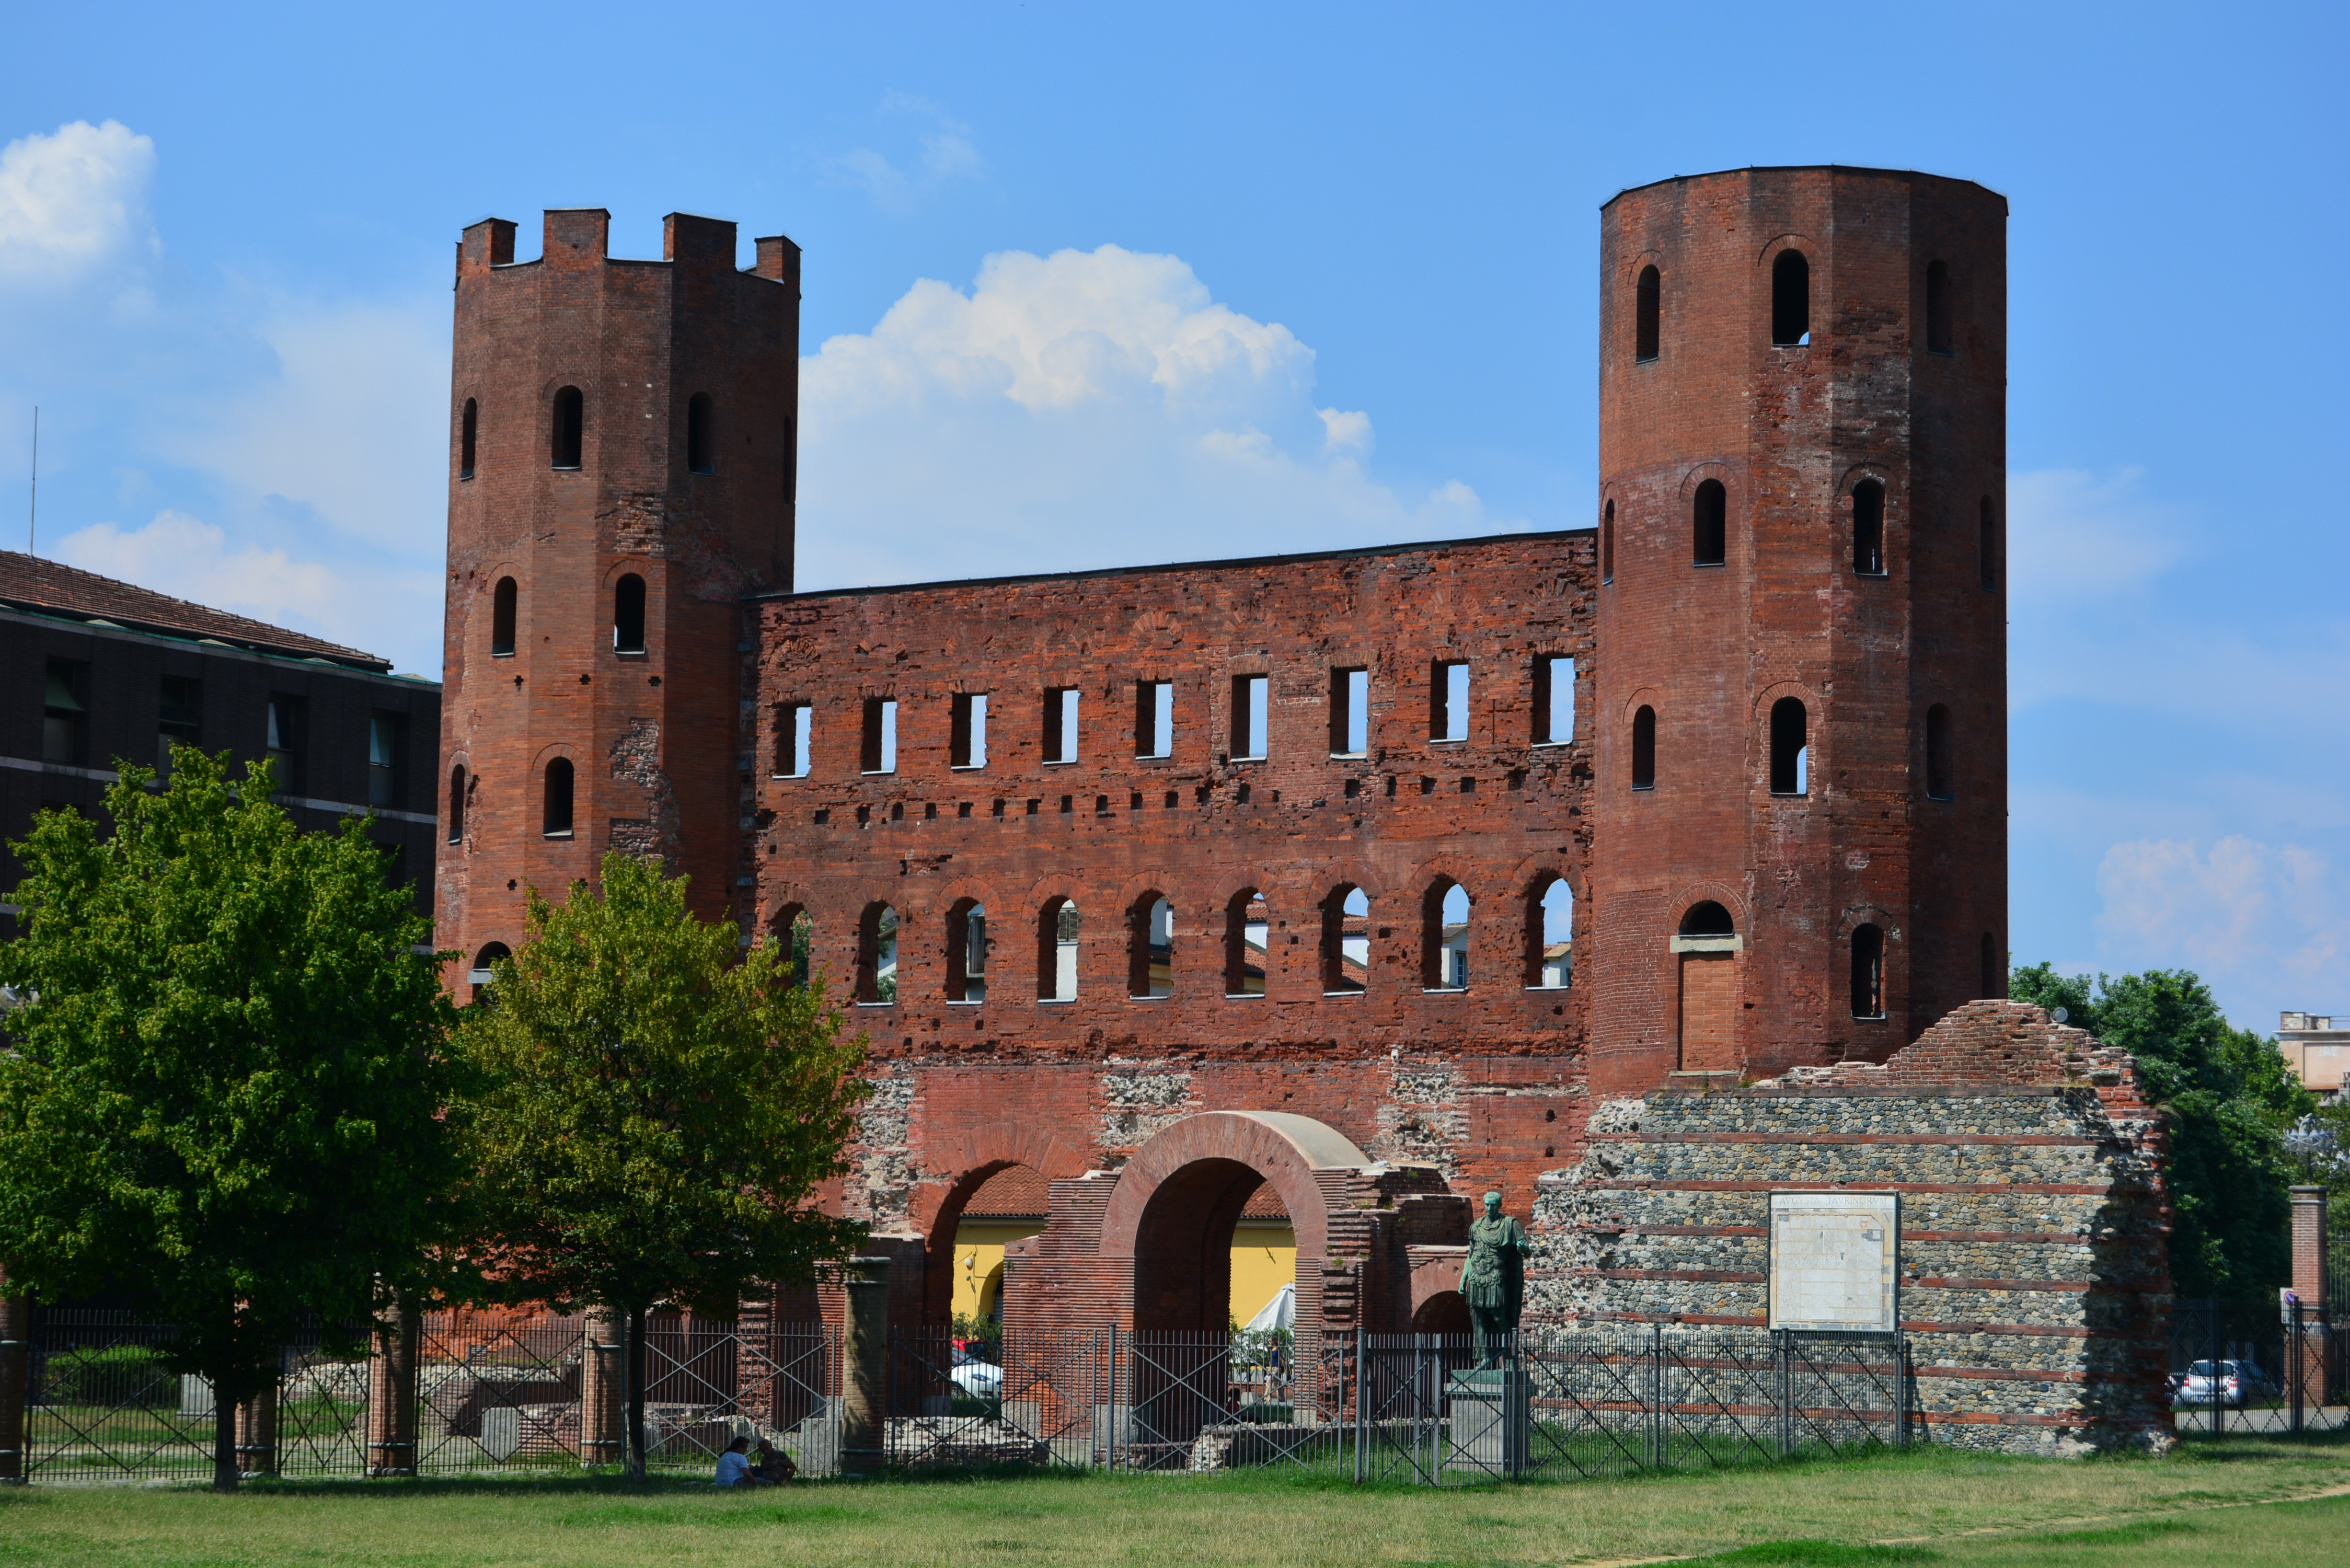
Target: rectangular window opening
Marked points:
1252	695
1154	717
1448	689
794	727
64	712
285	741
878	754
1060	724
387	759
969	725
179	719
1553	700
1350	713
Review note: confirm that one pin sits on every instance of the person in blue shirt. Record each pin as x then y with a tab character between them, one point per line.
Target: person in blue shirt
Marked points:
734	1464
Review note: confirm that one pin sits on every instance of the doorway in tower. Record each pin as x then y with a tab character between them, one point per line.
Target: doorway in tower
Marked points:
1707	948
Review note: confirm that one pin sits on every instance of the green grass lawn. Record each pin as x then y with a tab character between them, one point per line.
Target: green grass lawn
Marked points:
2210	1503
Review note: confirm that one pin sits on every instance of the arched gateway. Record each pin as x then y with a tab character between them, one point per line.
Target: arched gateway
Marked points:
1147	1247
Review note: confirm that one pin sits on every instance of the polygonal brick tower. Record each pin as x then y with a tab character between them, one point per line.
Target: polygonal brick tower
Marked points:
621	473
1799	852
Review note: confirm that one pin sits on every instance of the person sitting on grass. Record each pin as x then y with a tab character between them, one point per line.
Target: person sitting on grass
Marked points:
734	1464
775	1467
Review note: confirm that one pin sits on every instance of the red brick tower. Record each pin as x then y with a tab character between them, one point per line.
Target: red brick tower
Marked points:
1800	834
621	473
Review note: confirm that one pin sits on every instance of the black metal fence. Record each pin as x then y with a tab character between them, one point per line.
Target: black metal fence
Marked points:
2258	1367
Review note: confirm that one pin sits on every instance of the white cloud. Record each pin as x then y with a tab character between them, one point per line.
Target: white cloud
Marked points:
191	559
73	203
350	426
2244	912
2073	534
1080	409
946	152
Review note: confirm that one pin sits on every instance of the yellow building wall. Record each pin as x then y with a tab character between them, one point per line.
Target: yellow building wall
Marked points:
1265	1258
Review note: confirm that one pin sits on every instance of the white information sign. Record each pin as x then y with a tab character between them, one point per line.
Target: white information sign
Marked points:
1832	1256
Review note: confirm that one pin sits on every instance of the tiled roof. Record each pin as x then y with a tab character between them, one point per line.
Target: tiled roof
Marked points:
30	583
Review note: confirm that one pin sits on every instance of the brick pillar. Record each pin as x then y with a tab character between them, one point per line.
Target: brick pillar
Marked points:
257	1432
603	1389
392	1392
15	1377
2308	1358
864	1366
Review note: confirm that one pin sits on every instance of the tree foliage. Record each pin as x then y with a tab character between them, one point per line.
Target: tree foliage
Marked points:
656	1111
2231	1099
223	1088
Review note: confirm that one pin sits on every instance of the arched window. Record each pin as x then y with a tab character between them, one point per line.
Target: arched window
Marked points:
1938	307
1868	528
1791	300
701	434
472	424
483	971
1150	947
557	814
569	428
1994	983
1710	525
877	955
967	951
790	925
457	803
1445	915
1987	543
1056	952
1608	544
1550	935
1941	761
1644	748
501	618
1867	971
1708	919
1646	308
1790	747
1248	938
1345	942
629	615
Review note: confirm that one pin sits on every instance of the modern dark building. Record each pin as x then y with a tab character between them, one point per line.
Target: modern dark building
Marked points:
98	671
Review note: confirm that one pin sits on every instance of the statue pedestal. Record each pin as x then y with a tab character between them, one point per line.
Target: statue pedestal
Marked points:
1487	1421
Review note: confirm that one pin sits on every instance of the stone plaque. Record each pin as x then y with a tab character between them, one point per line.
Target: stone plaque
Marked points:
502	1432
1832	1256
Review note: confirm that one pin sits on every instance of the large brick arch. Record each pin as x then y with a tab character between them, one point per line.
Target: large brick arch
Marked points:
1177	1198
965	1162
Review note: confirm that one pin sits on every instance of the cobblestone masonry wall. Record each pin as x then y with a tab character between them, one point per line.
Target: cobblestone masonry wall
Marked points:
2033	1282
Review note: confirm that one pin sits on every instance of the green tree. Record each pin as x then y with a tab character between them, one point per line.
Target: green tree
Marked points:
223	1085
656	1111
2231	1099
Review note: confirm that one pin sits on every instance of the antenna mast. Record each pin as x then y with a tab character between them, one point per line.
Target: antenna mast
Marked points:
33	507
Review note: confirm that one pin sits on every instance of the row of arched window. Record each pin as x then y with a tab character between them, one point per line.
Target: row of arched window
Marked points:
628	616
1710	531
1790	745
1791	307
1160	957
566	432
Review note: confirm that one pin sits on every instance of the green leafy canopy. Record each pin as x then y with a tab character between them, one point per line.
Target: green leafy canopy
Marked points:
224	1089
659	1108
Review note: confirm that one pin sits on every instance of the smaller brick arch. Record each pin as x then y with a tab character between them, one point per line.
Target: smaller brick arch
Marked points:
1171	1213
963	1163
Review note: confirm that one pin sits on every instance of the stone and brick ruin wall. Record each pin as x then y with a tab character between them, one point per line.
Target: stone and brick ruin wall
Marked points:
612	422
1353	1027
1802	406
2033	1280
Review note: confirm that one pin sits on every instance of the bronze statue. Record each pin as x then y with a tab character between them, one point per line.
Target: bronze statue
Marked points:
1493	1280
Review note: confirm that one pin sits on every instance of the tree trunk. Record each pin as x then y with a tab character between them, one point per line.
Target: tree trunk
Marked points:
225	1470
635	1393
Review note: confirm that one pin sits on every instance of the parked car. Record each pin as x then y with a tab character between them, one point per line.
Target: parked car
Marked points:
979	1379
2226	1382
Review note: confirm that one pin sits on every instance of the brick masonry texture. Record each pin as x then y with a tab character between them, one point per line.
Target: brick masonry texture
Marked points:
2033	1220
1335	1073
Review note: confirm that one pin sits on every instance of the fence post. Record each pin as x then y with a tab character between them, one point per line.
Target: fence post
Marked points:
2295	1359
603	1385
1659	1437
865	1367
257	1428
1900	1393
1362	1421
1782	1347
15	1381
391	1390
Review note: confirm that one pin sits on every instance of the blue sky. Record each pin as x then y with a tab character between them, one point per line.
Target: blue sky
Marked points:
1091	284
